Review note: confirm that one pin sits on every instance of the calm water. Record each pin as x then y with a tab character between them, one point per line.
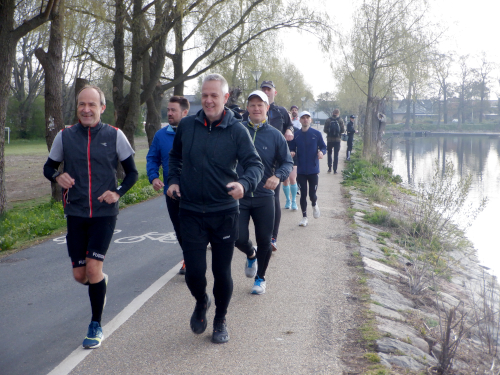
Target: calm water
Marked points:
414	160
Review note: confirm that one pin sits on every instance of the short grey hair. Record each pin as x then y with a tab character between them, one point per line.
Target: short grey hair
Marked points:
217	77
96	88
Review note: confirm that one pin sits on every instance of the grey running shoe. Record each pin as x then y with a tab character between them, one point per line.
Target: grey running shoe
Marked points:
220	335
251	267
303	222
316	212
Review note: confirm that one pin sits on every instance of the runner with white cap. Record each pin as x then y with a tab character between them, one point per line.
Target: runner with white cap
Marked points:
309	146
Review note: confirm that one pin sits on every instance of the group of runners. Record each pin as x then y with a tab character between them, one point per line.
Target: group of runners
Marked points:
219	170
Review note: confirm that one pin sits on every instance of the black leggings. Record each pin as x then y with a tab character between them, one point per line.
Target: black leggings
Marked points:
221	231
173	212
302	181
261	209
277	211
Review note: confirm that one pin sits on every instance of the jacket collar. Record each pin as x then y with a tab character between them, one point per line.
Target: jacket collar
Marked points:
228	119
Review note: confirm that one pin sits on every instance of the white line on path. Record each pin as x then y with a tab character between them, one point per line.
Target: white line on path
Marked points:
78	355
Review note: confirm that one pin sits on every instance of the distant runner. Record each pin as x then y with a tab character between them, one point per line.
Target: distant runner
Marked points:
309	146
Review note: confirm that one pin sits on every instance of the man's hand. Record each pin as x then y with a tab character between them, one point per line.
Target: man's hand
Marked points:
320	155
109	197
237	191
292	153
271	183
289	135
171	189
65	181
157	184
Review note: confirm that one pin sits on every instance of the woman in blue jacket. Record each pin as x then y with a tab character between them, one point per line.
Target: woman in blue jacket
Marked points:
309	146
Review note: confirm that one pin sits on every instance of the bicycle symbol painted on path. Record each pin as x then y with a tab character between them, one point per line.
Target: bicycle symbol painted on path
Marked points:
169	237
154	236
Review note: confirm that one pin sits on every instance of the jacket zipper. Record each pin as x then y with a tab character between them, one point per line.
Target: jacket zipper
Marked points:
254	135
89	172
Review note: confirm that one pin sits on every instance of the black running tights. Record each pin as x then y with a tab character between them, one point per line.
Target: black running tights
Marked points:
302	181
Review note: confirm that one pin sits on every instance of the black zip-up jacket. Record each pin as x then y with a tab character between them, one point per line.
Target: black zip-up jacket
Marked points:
273	150
203	161
91	156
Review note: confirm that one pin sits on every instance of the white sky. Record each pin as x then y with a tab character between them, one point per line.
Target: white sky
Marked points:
471	28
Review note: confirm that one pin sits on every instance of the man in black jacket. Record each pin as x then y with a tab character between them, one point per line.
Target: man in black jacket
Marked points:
91	151
202	174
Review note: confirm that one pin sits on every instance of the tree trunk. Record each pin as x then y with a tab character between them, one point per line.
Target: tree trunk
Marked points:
179	53
79	84
408	106
379	118
445	103
52	65
153	118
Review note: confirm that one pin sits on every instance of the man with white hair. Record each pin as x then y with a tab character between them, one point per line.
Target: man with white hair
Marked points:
202	175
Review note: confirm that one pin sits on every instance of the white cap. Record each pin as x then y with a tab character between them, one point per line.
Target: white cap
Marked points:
304	113
260	94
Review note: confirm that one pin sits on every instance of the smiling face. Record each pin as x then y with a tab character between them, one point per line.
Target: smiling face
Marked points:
89	108
213	100
270	92
257	109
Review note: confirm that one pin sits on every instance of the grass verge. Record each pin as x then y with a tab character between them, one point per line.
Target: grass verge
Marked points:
36	220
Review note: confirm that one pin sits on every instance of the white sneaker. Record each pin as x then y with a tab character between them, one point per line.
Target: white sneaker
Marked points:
316	212
303	222
259	287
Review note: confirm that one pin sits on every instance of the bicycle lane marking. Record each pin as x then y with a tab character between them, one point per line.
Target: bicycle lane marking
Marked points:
79	354
169	237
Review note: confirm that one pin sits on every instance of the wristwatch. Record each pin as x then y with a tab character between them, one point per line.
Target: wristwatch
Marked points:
55	175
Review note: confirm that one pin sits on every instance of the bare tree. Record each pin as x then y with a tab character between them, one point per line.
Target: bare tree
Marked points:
483	73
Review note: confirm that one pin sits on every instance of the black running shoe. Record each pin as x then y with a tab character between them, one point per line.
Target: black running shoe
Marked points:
199	317
329	170
220	335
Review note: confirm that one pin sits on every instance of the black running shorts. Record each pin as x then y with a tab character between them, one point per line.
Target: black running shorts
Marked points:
89	238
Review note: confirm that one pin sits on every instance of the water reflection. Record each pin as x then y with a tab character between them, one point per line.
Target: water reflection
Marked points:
413	158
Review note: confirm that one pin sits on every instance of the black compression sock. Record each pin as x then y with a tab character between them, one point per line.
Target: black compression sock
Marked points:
97	293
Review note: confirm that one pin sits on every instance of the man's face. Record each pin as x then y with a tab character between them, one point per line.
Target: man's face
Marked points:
175	113
295	112
257	110
305	121
270	92
89	107
213	100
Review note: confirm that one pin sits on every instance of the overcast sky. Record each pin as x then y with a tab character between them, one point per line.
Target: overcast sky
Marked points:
472	27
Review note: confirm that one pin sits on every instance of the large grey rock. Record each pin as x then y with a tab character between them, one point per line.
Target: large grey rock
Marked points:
369	244
365	235
373	265
363	224
382	311
377	254
393	346
403	332
401	361
388	296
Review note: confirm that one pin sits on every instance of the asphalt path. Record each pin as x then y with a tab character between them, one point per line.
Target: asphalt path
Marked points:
45	313
297	327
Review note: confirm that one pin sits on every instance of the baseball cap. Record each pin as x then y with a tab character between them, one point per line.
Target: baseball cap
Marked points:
269	84
293	106
260	94
352	116
304	113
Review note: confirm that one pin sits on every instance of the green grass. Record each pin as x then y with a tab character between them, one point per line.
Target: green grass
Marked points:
32	147
33	220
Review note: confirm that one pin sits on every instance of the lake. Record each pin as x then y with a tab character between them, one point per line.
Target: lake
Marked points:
413	158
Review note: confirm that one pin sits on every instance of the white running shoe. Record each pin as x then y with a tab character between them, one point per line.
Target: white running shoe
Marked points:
259	287
316	212
303	222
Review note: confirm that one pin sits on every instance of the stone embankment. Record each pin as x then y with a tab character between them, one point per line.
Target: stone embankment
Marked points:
410	327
